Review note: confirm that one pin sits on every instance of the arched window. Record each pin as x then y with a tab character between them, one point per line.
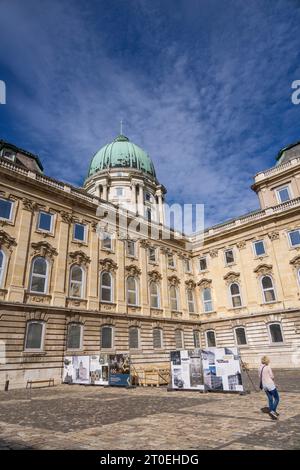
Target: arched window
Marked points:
210	339
74	338
190	300
174	298
76	281
154	295
268	289
39	275
34	337
2	266
134	337
240	336
132	294
157	338
179	342
235	295
276	333
207	300
106	287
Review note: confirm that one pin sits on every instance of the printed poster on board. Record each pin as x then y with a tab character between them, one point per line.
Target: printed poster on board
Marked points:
119	370
99	369
76	370
186	369
221	369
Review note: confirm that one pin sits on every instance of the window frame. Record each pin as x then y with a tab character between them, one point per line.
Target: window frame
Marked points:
206	264
161	337
11	209
205	302
119	189
152	295
280	188
196	332
236	338
112	337
41	348
179	330
51	224
176	298
136	292
46	276
173	265
270	334
149	254
206	338
254	248
2	268
190	301
131	328
82	290
131	243
80	337
84	232
289	238
111	288
225	258
235	295
263	290
107	236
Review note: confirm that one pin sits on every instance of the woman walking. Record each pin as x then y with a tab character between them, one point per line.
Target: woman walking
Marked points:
268	385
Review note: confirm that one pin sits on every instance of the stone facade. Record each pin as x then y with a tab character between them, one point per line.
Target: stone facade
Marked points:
216	295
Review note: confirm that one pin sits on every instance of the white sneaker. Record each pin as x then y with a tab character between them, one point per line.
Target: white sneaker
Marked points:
273	415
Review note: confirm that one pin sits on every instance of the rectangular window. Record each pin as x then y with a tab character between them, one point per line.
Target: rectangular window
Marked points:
147	197
9	155
276	333
130	248
210	339
79	232
179	339
34	335
187	265
171	262
106	337
283	194
196	337
203	263
119	191
133	338
229	257
45	221
6	209
240	335
259	248
157	338
74	336
294	237
107	241
152	255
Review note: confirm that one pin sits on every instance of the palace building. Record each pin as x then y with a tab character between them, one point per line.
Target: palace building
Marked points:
70	285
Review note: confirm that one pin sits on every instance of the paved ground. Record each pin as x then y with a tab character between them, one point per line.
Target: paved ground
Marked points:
78	417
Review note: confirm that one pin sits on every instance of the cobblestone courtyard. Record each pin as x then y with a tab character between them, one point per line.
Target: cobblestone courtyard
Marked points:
78	417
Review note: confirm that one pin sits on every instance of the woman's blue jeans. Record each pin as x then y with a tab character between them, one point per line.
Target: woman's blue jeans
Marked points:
273	397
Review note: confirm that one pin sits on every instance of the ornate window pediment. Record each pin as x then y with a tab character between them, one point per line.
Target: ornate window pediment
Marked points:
30	205
241	245
79	257
173	280
273	235
133	270
263	269
75	318
213	253
154	275
135	323
108	264
231	277
295	262
205	283
66	217
43	249
190	284
37	315
6	240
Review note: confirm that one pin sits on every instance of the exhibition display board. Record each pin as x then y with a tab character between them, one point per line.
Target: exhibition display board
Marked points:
86	370
186	370
210	369
119	370
99	369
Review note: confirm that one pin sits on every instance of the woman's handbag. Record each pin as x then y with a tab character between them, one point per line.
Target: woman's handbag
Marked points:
260	382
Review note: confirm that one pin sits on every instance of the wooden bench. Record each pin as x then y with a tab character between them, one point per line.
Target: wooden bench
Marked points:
46	382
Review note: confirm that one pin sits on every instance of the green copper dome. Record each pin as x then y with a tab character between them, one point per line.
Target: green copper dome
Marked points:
121	153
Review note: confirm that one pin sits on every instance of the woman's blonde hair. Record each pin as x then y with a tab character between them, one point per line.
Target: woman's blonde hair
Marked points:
265	360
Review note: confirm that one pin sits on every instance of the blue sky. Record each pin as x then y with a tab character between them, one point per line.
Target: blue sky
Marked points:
203	85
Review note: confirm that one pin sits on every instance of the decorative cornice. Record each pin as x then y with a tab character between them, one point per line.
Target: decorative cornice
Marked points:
213	253
133	270
241	245
154	275
263	268
6	240
37	315
29	205
231	277
204	283
66	217
136	323
108	264
79	257
190	284
44	249
173	280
